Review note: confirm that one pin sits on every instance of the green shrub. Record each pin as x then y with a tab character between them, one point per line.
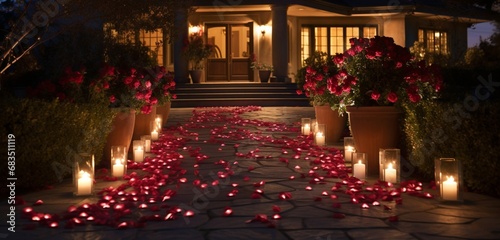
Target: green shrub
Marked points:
47	134
470	133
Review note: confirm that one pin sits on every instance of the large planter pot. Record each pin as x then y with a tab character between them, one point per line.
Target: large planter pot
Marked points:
334	123
142	123
164	111
195	75
264	75
373	128
122	129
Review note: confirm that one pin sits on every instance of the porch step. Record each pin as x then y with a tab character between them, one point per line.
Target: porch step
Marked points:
238	94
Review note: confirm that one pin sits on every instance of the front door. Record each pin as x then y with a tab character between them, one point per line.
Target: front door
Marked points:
233	46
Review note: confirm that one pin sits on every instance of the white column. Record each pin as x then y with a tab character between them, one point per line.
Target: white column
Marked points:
280	41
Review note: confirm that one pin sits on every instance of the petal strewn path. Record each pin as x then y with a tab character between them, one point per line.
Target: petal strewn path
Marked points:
246	173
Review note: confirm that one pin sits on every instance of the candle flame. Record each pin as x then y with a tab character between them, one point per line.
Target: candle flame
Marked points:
389	166
360	162
450	179
118	161
319	134
350	148
84	174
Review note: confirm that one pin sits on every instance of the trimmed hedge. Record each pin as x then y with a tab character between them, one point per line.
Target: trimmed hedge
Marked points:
47	134
467	130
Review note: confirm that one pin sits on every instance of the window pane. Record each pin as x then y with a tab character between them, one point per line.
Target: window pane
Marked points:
351	32
305	45
421	35
336	40
154	41
321	39
369	32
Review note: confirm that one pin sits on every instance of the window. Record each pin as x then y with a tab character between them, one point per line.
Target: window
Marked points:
154	41
434	41
331	39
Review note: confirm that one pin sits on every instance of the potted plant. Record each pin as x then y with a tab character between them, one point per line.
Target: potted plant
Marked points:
264	69
312	81
196	51
375	77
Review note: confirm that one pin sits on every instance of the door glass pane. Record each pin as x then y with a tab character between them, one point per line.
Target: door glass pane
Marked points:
217	37
305	45
240	41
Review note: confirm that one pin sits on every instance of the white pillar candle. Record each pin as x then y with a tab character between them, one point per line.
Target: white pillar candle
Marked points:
118	168
138	154
359	170
158	122
348	153
320	139
450	189
390	174
154	135
147	145
306	129
84	184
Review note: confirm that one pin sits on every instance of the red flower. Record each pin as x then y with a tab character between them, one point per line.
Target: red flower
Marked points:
375	95
112	98
392	97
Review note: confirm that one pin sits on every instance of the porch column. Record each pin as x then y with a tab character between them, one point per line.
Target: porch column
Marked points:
280	42
180	61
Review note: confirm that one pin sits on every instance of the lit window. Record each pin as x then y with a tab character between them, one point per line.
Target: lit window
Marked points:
434	41
154	41
305	45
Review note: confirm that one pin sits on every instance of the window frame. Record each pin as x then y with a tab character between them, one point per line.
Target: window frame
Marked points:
425	40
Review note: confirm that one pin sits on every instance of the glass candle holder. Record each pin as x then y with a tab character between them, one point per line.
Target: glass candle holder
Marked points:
314	126
118	161
138	150
155	131
83	174
319	136
159	122
448	173
147	142
390	165
360	166
348	149
306	126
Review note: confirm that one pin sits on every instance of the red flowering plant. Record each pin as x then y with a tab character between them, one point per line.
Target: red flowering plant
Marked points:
69	86
379	72
131	88
313	77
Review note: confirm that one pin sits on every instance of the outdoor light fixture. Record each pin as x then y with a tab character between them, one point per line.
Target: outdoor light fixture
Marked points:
348	149
83	174
360	166
195	29
390	165
306	126
448	174
262	29
118	161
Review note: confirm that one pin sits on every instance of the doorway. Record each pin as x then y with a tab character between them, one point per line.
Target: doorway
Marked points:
233	46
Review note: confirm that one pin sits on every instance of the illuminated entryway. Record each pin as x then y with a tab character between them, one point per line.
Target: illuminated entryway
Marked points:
233	46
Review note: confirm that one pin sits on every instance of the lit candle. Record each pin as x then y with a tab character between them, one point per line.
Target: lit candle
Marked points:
118	168
320	139
84	184
147	145
348	153
154	135
307	129
390	174
158	122
138	154
450	189
359	170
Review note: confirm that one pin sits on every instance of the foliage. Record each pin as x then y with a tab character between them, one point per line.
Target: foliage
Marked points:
48	133
254	64
419	53
312	80
196	50
450	129
376	71
127	54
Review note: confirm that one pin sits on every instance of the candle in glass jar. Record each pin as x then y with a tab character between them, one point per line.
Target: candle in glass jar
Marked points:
390	174
307	129
118	168
84	184
450	189
348	153
359	170
158	122
154	135
138	154
320	139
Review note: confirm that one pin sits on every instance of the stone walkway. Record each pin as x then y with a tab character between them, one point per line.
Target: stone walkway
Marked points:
268	203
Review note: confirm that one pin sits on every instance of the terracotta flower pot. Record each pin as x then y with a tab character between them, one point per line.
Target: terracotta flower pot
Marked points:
264	75
373	128
164	110
142	123
334	123
120	135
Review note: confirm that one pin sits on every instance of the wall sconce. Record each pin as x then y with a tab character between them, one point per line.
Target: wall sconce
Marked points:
263	29
195	29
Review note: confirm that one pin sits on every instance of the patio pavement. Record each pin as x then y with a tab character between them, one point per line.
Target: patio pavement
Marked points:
257	161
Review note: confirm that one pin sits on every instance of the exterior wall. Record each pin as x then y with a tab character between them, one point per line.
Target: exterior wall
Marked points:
394	26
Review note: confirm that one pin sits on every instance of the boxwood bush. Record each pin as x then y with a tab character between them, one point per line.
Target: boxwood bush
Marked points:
465	126
47	134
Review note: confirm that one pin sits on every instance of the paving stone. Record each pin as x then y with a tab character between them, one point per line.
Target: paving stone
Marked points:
288	223
465	231
172	234
432	218
377	234
242	234
307	212
259	208
231	223
317	234
344	223
181	222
